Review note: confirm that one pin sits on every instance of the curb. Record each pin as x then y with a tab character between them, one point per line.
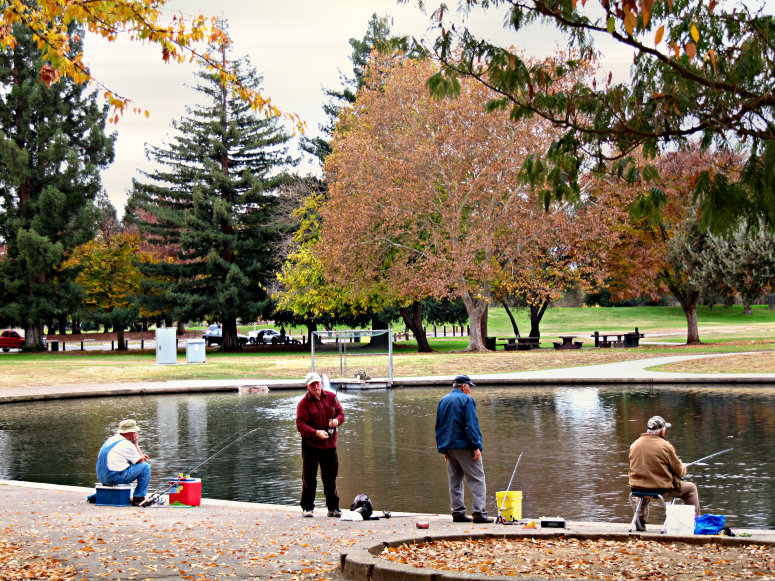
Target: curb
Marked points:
362	563
33	394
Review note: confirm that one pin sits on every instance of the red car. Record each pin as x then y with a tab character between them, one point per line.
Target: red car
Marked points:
10	339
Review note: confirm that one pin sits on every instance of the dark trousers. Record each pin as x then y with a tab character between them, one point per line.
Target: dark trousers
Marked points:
328	460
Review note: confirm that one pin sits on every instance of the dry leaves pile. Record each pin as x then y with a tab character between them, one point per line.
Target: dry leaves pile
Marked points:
16	564
582	559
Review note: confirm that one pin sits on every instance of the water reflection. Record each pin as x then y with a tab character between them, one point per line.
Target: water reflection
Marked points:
574	440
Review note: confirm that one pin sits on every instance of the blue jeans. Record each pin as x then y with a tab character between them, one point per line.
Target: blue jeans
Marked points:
140	472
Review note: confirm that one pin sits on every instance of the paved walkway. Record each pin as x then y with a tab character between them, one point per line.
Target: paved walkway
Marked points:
223	539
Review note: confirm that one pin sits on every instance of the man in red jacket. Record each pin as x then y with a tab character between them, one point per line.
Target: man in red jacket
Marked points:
318	415
655	467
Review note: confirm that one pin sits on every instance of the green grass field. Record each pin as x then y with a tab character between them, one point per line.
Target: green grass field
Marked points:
721	331
586	320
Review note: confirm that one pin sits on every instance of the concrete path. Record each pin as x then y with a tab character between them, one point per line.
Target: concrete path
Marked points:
222	539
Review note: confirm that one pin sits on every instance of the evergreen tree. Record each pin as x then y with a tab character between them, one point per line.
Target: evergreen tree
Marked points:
211	198
52	146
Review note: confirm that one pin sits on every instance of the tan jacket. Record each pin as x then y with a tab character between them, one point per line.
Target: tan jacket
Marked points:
654	463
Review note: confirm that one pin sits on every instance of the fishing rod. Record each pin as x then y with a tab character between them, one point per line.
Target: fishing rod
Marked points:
699	462
156	496
506	495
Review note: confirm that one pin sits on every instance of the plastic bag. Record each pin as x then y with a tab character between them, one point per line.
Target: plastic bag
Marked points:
708	524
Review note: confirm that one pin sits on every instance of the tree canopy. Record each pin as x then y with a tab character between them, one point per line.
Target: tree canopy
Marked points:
702	71
57	28
432	188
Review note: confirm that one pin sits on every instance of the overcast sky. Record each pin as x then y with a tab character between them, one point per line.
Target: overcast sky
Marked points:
299	46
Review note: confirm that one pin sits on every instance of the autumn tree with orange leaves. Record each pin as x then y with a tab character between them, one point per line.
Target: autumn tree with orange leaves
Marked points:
425	198
663	255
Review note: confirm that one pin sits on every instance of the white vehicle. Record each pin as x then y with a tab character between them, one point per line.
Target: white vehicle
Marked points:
264	336
214	336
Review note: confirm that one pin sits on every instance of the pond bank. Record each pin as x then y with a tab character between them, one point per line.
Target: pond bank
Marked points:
629	372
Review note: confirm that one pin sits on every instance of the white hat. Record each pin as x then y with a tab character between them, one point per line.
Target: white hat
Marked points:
312	377
127	426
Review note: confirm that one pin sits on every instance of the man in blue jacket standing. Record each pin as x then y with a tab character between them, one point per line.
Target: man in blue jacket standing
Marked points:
459	438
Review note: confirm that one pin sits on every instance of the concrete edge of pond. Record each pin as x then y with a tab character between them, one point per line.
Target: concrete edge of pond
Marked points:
566	379
362	563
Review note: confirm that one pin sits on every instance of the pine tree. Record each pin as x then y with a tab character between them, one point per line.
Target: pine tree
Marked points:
212	198
52	147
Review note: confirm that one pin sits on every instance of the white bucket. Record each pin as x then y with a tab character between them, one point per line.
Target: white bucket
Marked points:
680	519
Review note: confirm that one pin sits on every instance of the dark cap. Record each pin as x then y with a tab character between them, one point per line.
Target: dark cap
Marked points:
657	423
463	379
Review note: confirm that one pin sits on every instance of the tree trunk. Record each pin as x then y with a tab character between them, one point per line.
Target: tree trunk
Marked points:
476	309
688	302
33	337
181	329
536	314
484	321
311	328
513	320
229	340
120	337
412	317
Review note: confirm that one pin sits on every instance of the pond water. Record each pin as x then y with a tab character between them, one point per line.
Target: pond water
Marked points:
574	443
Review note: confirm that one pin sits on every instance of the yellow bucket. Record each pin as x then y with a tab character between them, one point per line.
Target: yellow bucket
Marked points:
510	509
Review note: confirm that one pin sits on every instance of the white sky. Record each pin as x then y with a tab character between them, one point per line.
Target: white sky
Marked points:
299	46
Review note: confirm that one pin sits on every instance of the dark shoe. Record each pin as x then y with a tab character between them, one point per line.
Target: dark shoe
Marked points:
461	517
138	500
91	499
480	518
336	513
640	525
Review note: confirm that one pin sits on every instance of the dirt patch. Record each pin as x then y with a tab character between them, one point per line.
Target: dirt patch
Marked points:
636	559
743	363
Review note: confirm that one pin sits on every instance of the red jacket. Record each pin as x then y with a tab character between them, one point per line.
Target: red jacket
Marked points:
313	414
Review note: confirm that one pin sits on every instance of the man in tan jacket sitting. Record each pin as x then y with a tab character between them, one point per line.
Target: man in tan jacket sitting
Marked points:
655	467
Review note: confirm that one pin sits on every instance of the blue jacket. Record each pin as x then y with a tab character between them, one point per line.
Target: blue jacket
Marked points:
457	426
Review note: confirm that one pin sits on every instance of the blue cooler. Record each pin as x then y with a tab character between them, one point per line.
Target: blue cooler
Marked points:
118	495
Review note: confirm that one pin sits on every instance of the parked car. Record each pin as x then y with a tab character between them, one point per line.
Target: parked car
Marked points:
214	336
10	339
263	336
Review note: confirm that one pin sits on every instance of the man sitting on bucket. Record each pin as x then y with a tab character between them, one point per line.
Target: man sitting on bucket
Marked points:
121	461
655	467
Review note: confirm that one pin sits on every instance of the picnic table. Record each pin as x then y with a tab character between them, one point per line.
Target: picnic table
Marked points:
519	343
567	342
629	339
528	343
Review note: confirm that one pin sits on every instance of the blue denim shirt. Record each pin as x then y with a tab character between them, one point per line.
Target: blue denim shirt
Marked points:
457	426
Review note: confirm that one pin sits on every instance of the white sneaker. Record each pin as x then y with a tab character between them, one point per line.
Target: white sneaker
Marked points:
306	513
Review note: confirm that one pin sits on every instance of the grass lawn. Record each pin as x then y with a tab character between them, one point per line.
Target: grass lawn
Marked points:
722	331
